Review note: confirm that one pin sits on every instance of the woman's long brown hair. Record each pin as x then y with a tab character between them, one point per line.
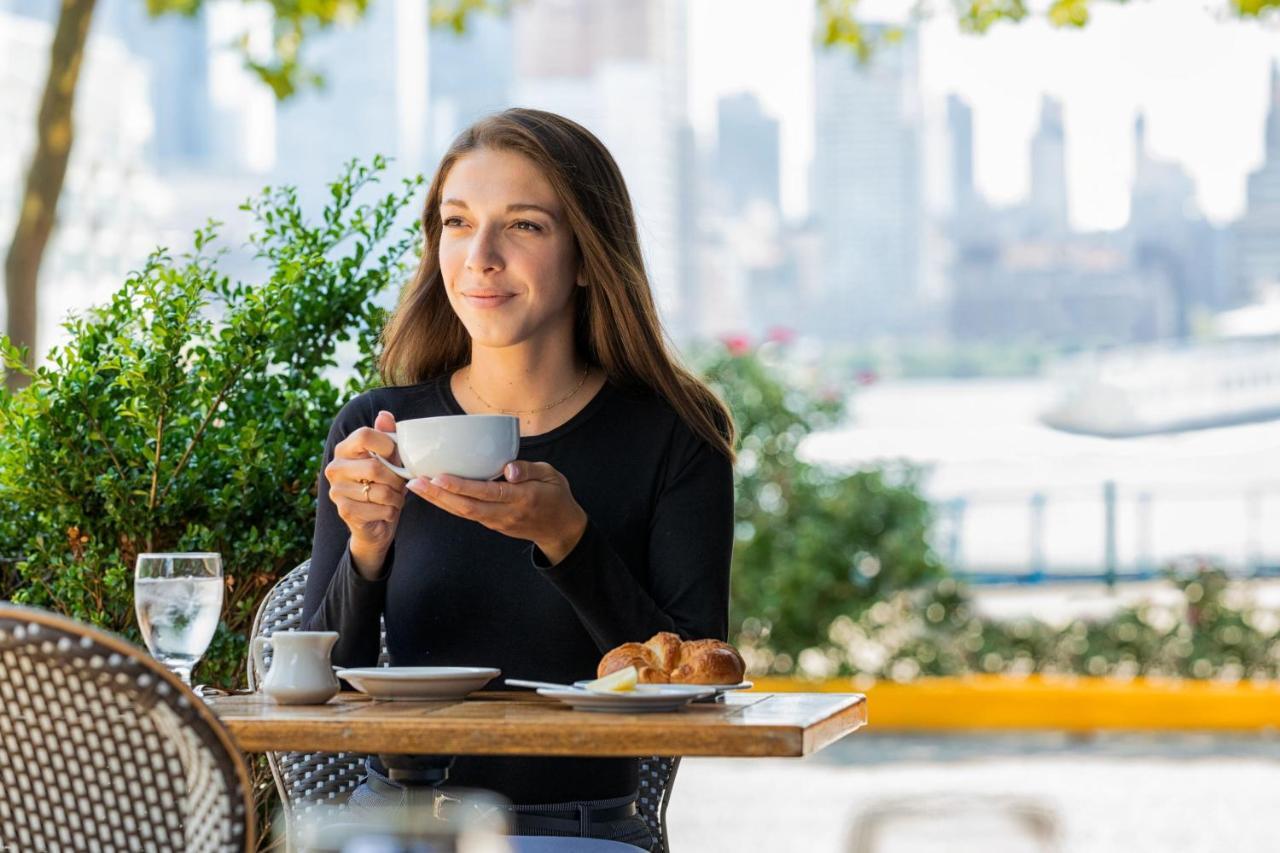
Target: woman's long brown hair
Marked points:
616	322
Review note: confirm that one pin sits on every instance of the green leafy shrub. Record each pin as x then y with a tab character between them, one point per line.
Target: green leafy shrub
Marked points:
1211	630
811	544
189	412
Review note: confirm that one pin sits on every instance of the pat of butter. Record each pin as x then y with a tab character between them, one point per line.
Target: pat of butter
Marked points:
622	681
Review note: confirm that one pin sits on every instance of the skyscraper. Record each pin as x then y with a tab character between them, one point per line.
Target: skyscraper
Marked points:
618	67
471	75
866	189
1171	238
1162	190
1258	232
960	129
1048	202
176	49
747	151
376	105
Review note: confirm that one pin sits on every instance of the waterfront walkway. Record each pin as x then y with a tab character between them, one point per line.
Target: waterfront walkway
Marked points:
1111	794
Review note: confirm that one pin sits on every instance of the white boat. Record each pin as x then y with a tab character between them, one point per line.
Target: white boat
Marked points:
1170	388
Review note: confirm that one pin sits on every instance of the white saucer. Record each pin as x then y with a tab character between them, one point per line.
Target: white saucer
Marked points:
419	682
646	698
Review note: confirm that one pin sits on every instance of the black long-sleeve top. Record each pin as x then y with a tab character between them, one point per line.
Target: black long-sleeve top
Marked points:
655	557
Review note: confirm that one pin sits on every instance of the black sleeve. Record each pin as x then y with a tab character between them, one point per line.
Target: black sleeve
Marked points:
337	597
690	549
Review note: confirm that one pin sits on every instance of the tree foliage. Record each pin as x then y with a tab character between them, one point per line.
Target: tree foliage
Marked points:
812	544
189	412
842	26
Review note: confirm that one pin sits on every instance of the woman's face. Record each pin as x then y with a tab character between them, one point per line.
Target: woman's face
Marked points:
507	256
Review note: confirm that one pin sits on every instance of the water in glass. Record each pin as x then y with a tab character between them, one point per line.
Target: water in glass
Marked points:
178	599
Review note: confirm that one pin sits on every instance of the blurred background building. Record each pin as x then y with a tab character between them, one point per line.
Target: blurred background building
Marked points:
849	268
1258	241
867	192
619	67
377	105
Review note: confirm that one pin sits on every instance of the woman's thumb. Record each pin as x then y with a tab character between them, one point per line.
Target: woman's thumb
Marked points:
385	422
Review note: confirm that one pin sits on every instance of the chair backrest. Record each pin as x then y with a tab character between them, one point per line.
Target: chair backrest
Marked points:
307	780
102	748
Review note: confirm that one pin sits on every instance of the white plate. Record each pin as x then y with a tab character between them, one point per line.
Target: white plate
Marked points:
696	688
419	682
646	698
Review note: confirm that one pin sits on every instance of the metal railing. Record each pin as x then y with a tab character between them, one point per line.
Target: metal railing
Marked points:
1122	535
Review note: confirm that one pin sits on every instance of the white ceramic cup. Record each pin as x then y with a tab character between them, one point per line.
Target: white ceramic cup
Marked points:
476	447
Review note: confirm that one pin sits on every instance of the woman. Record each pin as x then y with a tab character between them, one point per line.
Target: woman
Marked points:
615	522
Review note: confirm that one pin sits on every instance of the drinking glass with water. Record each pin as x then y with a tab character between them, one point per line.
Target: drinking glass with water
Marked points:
178	599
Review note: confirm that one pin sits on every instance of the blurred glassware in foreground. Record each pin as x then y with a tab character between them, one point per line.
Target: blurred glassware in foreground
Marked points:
456	820
959	823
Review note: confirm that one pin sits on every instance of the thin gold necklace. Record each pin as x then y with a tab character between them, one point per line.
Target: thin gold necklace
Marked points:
565	398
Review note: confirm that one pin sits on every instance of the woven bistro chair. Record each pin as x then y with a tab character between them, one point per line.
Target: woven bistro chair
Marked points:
307	781
102	748
310	780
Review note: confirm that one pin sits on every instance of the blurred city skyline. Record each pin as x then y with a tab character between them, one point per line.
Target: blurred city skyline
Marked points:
1142	59
1199	77
778	184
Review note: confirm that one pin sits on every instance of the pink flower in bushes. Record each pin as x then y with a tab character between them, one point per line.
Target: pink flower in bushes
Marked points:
737	344
781	335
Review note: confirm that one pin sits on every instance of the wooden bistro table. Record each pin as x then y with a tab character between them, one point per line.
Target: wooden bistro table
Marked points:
524	723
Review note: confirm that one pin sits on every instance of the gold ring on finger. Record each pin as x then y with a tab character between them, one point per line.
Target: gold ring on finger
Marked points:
365	490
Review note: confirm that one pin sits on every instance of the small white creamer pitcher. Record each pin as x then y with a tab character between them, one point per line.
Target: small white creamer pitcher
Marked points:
300	670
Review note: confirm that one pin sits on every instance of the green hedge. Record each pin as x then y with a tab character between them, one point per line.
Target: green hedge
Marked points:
812	544
1210	629
189	412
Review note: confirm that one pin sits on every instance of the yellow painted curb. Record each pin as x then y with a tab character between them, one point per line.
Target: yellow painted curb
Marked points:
1060	703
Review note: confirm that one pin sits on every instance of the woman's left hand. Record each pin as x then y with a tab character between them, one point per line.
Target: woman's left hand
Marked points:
534	503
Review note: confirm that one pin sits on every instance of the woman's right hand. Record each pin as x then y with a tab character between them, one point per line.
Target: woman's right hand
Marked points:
372	513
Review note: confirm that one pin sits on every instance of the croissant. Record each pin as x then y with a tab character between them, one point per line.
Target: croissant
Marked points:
648	669
665	658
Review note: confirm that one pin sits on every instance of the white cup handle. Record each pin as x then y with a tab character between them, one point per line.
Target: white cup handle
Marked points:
258	644
402	471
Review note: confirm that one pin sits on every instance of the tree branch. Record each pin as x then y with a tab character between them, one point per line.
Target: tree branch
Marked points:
155	468
106	445
195	439
44	178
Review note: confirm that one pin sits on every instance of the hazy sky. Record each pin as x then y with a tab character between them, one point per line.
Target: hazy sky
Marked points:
1200	77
